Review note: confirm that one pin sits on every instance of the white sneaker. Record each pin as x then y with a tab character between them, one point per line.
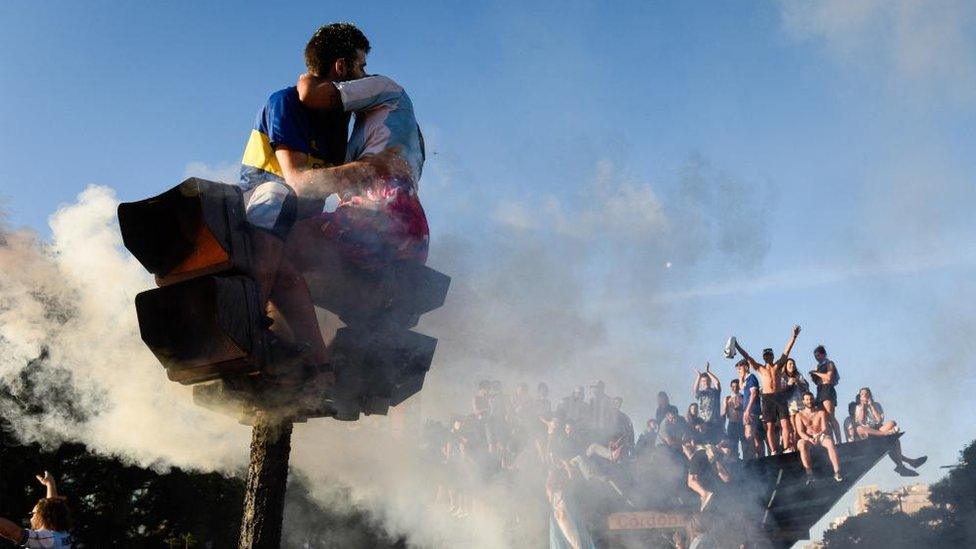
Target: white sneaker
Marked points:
730	348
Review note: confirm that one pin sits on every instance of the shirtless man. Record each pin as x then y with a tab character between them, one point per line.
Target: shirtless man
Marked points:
773	398
811	424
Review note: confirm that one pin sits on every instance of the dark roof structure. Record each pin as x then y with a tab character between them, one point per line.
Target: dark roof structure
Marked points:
768	502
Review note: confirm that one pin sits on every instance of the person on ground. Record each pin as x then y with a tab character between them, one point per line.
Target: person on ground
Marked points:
869	421
826	378
812	429
50	521
773	398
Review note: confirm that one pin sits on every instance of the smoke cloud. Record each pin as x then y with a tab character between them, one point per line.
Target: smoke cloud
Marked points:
532	301
69	343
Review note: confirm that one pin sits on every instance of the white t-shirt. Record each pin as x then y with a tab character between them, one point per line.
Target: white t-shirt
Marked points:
46	539
384	119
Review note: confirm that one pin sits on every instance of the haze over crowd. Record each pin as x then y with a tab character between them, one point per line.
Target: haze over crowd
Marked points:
794	164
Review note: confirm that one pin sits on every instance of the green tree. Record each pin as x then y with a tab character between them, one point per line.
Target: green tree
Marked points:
950	522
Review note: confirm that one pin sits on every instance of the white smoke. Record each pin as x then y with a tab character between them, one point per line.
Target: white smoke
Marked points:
74	298
523	307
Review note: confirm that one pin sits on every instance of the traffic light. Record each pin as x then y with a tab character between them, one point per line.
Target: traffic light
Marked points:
207	327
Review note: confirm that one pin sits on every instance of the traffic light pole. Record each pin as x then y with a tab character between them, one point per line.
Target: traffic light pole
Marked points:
267	479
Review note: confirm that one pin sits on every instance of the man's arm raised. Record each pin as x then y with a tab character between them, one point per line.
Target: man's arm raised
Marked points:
789	345
746	356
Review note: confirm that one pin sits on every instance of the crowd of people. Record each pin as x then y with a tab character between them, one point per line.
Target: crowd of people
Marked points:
771	408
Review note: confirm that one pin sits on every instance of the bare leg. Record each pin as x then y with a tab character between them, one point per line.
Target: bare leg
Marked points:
865	431
268	251
804	448
834	427
696	487
771	436
786	434
889	427
828	443
292	298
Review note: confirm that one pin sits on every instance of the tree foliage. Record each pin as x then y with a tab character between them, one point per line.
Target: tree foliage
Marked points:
950	522
119	505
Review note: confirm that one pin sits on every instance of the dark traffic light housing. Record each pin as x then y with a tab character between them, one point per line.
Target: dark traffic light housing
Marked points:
205	323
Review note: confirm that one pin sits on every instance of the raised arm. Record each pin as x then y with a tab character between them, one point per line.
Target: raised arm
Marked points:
715	381
745	355
789	345
48	481
694	383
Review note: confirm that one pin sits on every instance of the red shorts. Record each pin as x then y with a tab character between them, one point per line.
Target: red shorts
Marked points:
383	225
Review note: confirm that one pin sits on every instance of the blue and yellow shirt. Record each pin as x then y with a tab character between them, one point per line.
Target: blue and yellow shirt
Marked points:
285	122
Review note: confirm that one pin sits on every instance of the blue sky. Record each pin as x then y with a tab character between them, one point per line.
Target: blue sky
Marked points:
794	164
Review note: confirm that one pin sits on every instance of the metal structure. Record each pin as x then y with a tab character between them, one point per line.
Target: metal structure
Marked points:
769	497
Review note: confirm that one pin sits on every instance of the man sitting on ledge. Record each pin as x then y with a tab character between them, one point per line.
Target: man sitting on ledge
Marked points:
813	430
